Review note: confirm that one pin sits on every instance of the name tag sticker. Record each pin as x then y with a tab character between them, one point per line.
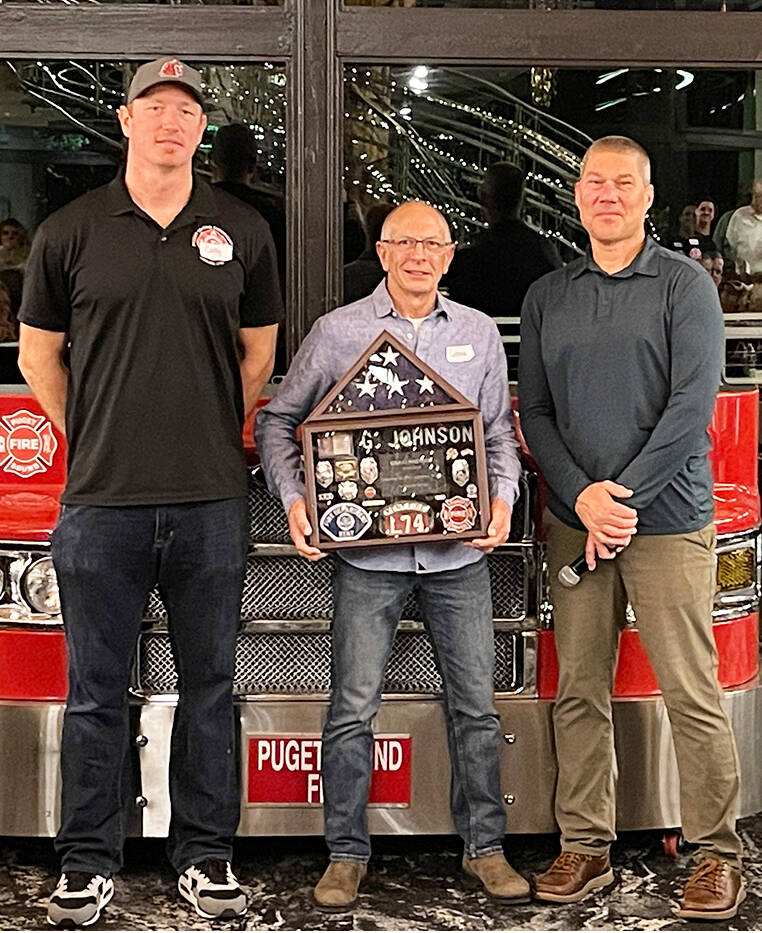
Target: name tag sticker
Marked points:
460	354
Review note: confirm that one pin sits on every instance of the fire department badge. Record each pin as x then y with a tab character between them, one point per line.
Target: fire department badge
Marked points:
324	473
460	472
458	514
369	469
214	245
345	521
27	443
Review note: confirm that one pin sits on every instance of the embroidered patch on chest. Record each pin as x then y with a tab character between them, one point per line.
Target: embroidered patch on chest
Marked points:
214	245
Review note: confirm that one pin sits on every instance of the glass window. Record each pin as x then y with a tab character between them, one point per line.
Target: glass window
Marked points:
431	132
59	137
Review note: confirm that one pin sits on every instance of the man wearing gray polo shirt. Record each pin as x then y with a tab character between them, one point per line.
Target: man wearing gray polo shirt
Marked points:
372	584
621	355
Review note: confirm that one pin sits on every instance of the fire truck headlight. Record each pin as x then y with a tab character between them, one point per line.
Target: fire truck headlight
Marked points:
735	569
41	587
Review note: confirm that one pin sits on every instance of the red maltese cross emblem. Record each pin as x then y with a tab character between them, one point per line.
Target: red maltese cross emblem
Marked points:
27	443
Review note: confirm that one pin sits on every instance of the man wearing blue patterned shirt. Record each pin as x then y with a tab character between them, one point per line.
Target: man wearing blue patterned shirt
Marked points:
372	584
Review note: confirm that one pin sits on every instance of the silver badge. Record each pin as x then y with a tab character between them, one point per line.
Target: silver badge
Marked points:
460	472
471	491
345	521
324	473
369	470
348	489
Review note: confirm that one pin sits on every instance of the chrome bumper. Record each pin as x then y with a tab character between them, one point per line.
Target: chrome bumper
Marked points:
648	794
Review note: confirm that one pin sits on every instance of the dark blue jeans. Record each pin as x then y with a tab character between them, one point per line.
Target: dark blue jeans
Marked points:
107	561
457	610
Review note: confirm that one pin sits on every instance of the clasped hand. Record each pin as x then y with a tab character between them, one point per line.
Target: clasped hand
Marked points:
610	524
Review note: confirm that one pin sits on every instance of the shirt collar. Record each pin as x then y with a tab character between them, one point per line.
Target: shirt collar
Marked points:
383	306
645	263
201	201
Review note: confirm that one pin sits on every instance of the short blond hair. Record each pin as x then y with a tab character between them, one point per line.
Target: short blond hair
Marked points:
619	144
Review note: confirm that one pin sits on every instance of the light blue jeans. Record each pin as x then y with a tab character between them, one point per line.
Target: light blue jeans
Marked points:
457	610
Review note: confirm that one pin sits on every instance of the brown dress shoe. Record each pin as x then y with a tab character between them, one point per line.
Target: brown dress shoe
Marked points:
573	876
337	889
498	878
713	891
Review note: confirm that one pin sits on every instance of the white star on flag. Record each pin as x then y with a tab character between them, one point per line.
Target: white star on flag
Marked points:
367	387
396	385
389	357
426	385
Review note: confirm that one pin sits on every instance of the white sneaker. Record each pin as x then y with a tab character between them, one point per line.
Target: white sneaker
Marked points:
79	898
213	889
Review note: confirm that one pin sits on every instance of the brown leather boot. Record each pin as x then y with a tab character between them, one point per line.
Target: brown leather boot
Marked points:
713	891
573	876
498	879
337	889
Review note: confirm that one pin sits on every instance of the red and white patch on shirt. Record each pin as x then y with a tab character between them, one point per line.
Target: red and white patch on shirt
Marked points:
214	245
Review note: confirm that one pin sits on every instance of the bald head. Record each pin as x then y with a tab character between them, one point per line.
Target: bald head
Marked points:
412	213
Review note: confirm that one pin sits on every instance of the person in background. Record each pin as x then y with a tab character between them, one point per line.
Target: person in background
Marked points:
705	214
234	169
14	244
714	264
744	234
362	275
494	273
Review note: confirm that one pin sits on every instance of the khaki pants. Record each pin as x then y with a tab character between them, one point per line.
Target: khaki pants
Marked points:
670	581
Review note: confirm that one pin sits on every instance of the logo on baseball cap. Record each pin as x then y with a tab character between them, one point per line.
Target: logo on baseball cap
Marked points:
165	71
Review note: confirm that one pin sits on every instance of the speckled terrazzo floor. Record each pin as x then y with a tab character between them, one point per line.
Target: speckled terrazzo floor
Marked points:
413	884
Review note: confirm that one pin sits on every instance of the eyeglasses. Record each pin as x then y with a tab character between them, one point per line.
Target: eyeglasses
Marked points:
408	243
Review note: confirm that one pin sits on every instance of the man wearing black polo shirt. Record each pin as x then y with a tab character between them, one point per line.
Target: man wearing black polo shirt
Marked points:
167	291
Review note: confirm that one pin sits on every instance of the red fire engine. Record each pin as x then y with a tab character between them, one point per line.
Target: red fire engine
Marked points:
283	664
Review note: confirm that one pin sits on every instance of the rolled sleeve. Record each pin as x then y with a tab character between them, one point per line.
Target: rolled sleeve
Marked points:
501	445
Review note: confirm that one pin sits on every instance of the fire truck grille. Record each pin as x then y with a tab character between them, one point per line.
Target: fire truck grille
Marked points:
300	663
290	588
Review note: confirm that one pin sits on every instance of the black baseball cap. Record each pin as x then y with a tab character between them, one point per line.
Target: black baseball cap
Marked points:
165	71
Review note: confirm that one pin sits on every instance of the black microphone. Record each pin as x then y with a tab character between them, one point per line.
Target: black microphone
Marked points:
572	573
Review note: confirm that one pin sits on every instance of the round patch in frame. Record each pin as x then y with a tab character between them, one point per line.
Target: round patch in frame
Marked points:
458	514
345	521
